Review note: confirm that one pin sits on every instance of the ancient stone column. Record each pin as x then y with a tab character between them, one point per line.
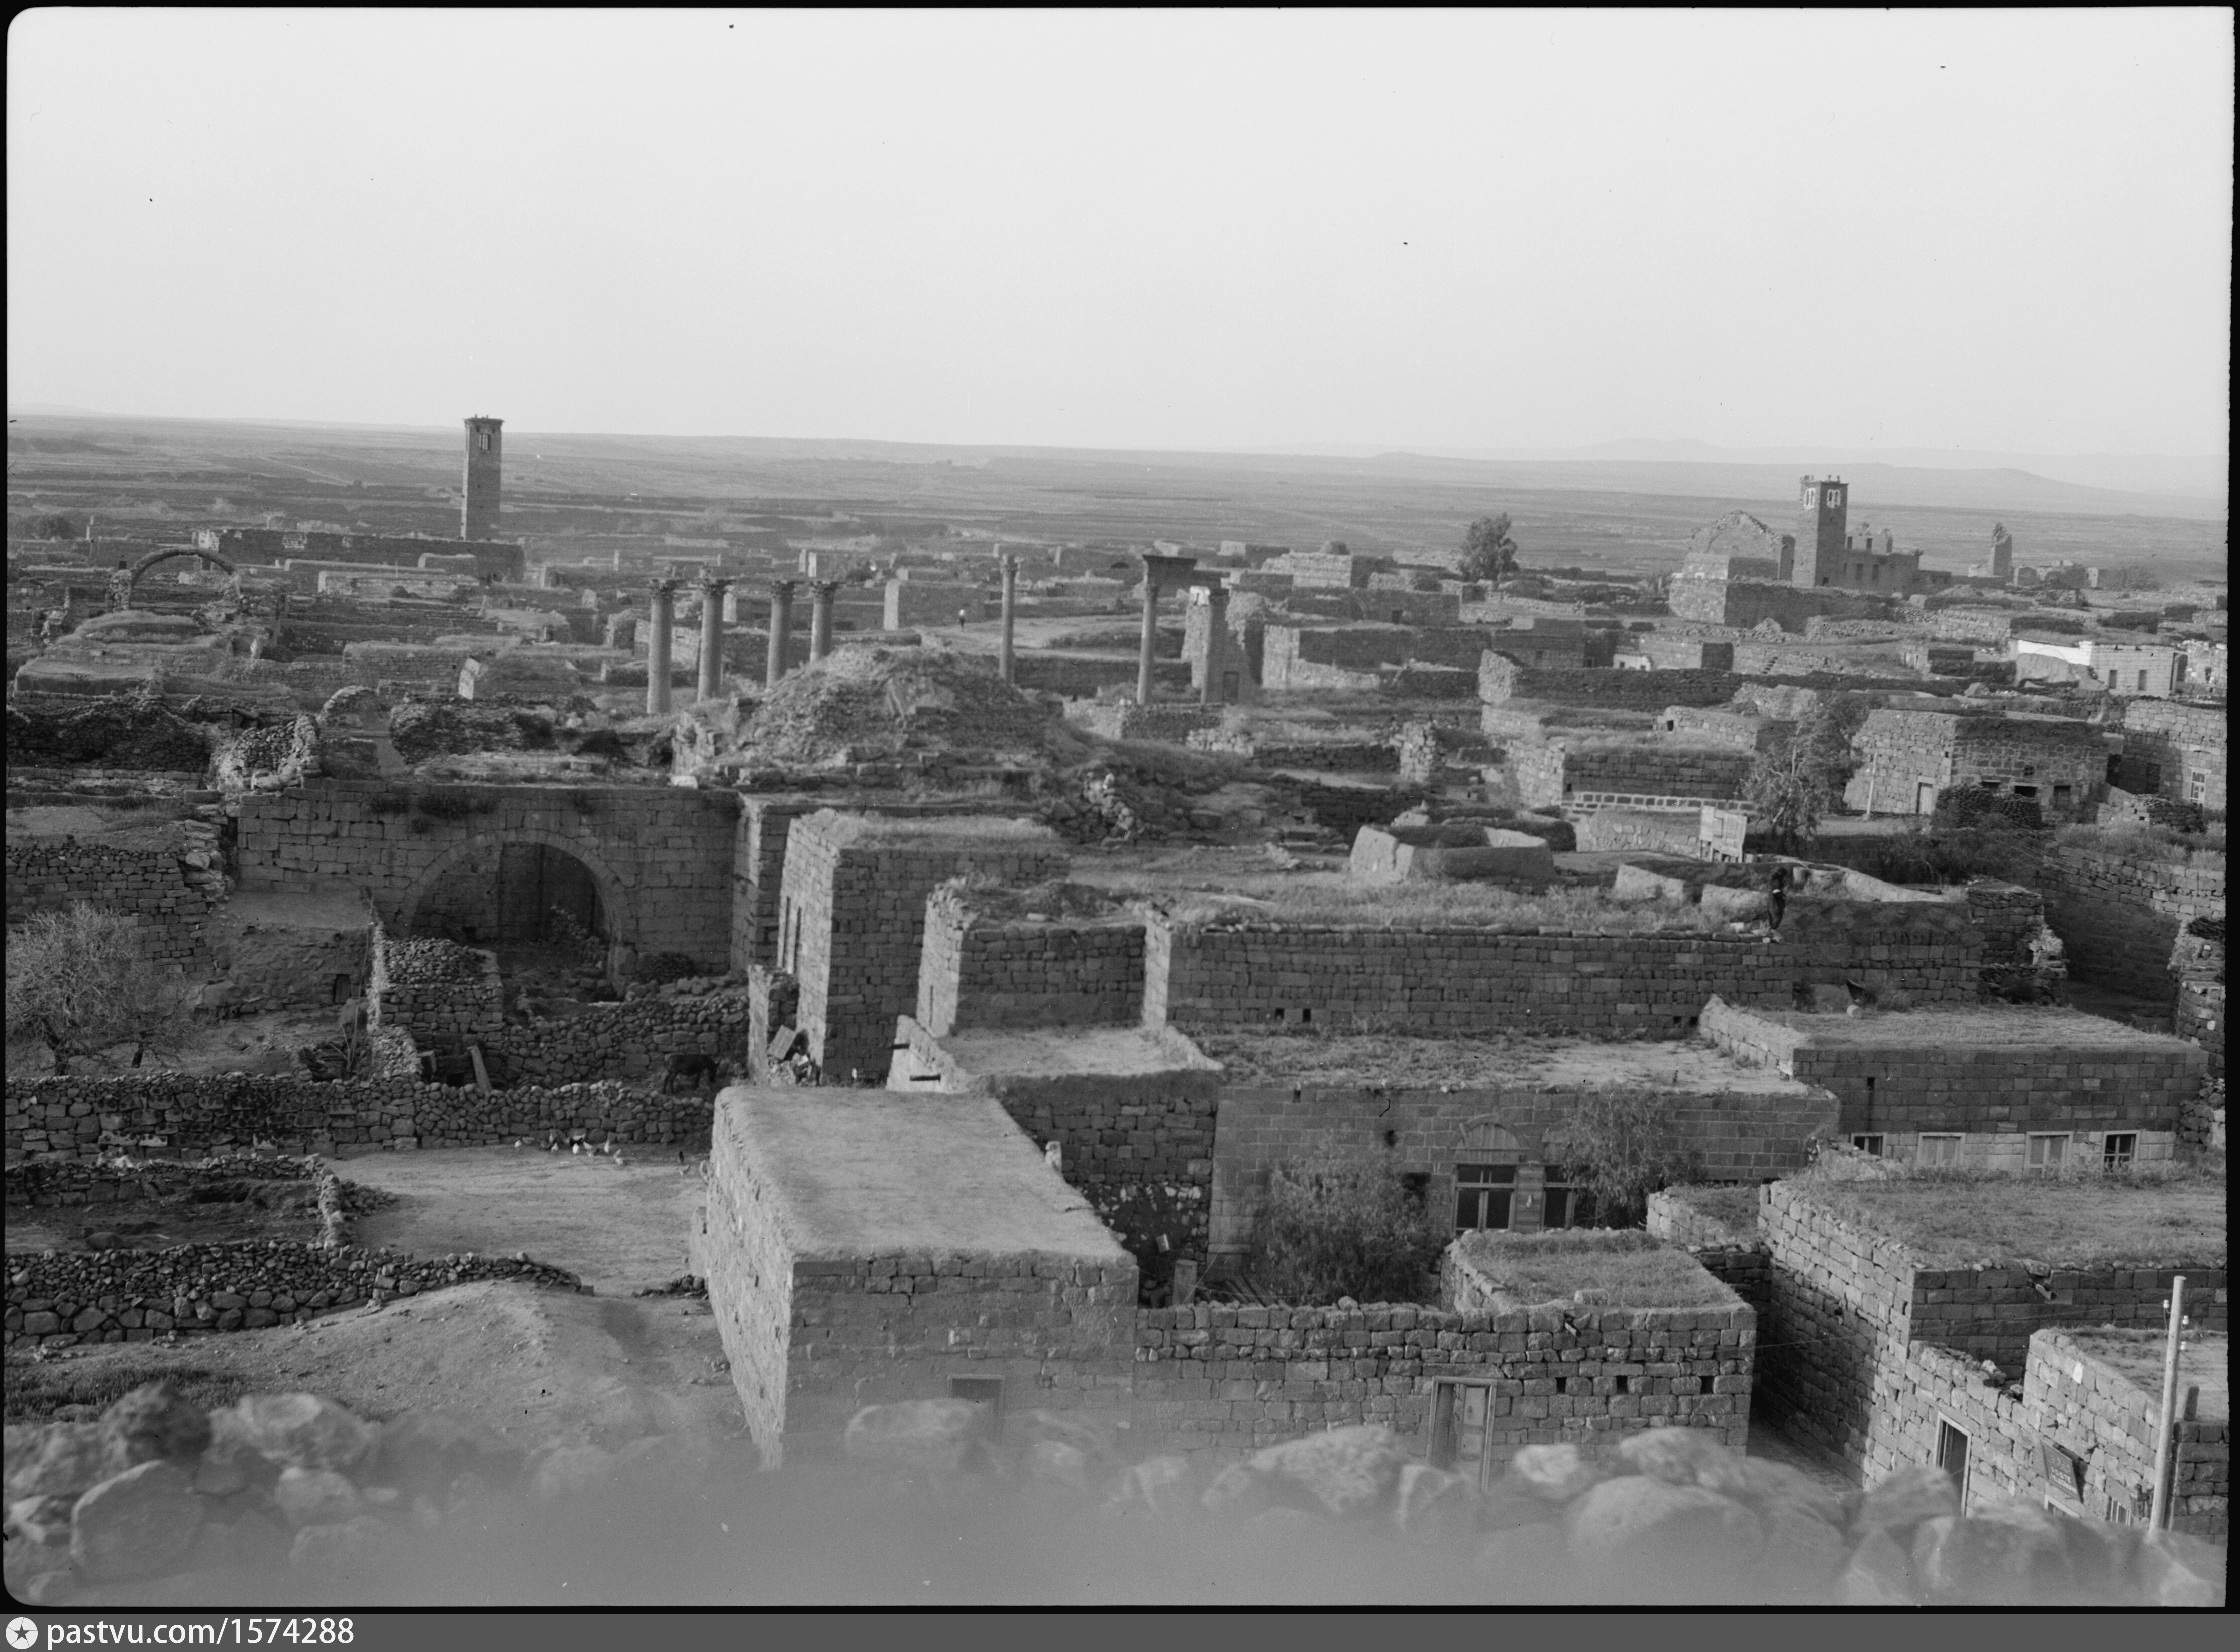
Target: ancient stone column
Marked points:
656	644
1150	634
1217	641
820	617
1010	602
781	618
712	637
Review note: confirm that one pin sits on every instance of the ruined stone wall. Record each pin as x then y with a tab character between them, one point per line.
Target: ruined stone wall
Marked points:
440	1009
1222	1380
660	856
1443	981
1082	677
1973	624
1718	726
150	886
626	1043
1501	679
2198	960
175	1113
1943	1083
978	973
1172	722
1754	659
2076	1399
1669	651
2118	915
1741	1136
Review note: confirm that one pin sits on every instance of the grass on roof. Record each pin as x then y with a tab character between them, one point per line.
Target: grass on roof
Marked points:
1735	1208
1956	1219
1630	1268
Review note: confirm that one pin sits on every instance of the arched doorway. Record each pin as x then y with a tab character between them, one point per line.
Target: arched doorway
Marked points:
130	580
521	893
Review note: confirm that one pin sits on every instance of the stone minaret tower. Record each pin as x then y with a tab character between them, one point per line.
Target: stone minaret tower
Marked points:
479	507
1823	510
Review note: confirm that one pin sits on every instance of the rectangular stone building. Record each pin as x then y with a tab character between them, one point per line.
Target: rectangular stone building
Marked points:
1908	759
862	1246
1992	1087
851	917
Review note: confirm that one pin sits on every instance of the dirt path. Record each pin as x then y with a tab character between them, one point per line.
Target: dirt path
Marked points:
620	1227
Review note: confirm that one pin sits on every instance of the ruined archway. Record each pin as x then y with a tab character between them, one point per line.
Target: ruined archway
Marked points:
525	866
131	580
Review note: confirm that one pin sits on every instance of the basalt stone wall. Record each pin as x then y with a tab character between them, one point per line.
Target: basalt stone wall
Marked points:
1221	1379
1080	676
852	928
60	1297
1346	809
445	996
1741	1136
1444	981
660	856
1171	721
2177	741
1139	1147
1662	832
627	1042
1848	1305
978	972
2118	916
2108	1422
2198	960
814	1338
1946	1083
178	1114
1590	776
152	886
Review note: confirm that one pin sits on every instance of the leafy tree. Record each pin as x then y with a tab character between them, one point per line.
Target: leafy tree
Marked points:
1429	582
1620	1148
1488	553
2130	579
1791	786
80	982
54	527
1333	1227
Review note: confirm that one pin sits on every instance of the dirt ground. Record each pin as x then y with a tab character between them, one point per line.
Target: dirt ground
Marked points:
619	1226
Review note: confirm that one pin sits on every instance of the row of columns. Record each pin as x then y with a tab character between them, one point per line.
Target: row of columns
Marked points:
661	620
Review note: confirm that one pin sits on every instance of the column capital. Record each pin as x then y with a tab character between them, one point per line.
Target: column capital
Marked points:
714	585
783	587
662	588
824	586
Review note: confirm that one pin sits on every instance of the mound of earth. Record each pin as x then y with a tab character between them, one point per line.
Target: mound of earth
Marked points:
425	728
864	704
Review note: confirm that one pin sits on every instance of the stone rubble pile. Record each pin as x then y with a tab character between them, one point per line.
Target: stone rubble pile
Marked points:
159	1502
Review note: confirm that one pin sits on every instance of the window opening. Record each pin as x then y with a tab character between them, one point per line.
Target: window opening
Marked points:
2118	1149
2047	1152
1567	1204
1938	1151
1868	1144
1952	1456
1482	1193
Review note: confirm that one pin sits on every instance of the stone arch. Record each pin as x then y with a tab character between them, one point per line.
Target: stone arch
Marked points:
132	576
614	896
1486	1134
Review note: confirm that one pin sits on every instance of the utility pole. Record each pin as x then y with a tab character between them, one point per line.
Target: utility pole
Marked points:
2165	1442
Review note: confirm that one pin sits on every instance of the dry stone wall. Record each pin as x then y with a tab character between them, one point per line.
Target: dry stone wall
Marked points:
152	886
179	1113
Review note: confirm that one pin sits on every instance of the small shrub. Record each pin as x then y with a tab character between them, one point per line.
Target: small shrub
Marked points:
1960	807
1334	1228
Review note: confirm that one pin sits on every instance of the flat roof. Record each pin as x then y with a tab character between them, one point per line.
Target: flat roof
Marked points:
2137	1354
1966	1219
1397	1062
864	1173
1628	1268
1063	1051
1945	1027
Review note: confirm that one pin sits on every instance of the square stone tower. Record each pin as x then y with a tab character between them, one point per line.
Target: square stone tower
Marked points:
479	495
1823	508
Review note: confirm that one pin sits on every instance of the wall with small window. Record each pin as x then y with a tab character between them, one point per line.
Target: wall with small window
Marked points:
1480	1151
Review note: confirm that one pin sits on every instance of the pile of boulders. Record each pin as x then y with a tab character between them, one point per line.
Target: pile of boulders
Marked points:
158	1502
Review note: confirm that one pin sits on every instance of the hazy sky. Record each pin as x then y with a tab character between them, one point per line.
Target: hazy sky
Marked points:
2006	230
